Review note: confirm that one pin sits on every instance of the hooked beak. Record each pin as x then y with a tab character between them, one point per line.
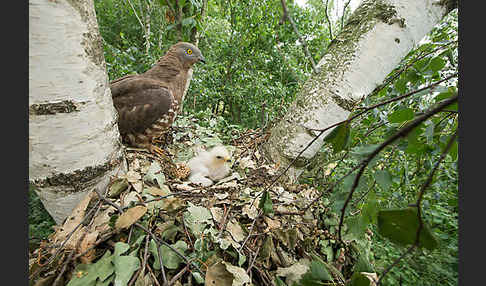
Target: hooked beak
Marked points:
201	59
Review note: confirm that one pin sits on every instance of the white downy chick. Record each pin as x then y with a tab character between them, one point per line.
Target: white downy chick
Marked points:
209	166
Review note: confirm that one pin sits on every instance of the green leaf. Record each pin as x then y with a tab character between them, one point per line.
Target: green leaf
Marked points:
120	248
104	266
84	275
198	277
401	225
370	209
429	132
338	199
358	279
401	115
356	226
414	145
125	266
319	271
106	282
436	64
155	173
363	264
189	21
339	137
453	151
266	203
197	218
316	274
383	178
169	257
155	253
364	150
401	84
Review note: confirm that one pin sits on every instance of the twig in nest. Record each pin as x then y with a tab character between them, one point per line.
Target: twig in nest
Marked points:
61	247
178	275
120	210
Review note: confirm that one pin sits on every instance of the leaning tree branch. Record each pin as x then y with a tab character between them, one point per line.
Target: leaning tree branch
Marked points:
419	209
365	110
287	16
403	132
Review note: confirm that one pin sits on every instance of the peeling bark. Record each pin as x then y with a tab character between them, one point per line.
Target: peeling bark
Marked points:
74	142
357	61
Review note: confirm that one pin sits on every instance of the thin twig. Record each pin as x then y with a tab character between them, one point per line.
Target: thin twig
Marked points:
34	275
160	260
287	16
329	24
120	210
344	13
136	15
178	275
260	212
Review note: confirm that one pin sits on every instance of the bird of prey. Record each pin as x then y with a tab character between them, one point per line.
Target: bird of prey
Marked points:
148	103
209	166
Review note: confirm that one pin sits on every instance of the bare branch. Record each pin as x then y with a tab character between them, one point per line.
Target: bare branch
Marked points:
287	16
329	24
344	13
136	15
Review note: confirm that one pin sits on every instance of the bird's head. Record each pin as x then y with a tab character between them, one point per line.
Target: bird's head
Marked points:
219	156
188	53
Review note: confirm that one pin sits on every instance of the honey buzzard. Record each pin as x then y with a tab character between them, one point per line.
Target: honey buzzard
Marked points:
148	103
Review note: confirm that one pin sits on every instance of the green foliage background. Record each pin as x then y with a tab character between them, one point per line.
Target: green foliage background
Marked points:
256	65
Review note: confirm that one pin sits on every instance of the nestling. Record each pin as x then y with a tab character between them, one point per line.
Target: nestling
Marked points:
209	166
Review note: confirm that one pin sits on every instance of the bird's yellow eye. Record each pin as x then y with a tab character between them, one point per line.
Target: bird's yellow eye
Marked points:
189	51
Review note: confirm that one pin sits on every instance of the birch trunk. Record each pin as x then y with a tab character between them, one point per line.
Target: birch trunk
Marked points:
378	35
74	142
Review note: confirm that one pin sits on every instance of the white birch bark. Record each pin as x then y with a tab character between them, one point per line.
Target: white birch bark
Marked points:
378	35
74	142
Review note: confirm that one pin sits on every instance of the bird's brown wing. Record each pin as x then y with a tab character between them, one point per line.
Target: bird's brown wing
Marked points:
139	102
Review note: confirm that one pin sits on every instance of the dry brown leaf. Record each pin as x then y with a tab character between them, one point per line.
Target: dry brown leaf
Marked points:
217	214
236	231
131	216
73	221
88	241
272	223
102	220
133	176
217	275
250	210
154	191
